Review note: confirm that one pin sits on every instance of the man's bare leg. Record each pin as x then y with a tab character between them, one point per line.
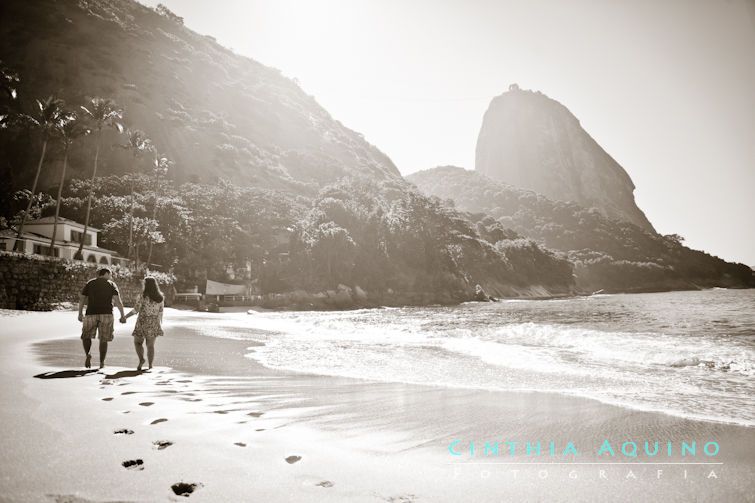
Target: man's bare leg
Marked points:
103	352
139	353
87	343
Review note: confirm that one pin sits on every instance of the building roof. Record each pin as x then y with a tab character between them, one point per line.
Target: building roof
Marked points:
216	288
11	234
61	220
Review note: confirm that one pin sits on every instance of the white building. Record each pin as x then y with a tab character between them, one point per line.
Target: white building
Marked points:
38	234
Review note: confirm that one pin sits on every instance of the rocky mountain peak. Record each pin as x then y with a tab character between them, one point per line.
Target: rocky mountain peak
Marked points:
531	141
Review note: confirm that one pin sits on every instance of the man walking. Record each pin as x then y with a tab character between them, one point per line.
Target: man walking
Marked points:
99	295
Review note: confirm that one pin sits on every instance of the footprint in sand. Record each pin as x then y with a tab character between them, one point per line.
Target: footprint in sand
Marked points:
220	411
129	392
123	431
184	488
146	404
293	459
184	381
325	483
404	498
241	422
107	399
158	421
260	429
162	444
240	444
133	464
255	414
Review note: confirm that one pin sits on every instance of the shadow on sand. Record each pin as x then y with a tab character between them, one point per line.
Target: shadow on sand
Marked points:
125	373
64	374
79	373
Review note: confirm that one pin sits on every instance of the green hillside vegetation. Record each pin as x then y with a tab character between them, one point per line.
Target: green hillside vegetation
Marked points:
400	246
607	254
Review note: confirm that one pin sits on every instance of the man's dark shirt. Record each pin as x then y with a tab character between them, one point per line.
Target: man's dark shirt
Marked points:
100	293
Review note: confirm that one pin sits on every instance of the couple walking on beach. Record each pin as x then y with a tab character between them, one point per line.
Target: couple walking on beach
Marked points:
99	295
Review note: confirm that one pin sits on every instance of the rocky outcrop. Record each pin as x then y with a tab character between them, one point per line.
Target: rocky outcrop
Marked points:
608	254
531	141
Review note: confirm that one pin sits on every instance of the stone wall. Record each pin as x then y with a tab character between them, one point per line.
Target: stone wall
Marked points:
36	283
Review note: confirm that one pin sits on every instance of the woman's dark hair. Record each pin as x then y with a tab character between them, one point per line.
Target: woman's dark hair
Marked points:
151	289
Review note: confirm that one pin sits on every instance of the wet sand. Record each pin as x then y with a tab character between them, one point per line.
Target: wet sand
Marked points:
206	415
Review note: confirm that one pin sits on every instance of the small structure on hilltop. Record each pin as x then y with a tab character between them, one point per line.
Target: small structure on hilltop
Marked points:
38	234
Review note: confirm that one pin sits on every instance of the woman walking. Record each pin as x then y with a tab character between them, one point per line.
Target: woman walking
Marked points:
149	323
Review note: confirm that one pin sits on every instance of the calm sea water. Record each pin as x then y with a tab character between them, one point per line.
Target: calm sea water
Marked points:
690	354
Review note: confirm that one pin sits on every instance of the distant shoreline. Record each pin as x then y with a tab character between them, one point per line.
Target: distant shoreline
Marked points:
298	306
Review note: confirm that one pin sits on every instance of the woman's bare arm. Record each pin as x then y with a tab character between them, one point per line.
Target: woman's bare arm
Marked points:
135	310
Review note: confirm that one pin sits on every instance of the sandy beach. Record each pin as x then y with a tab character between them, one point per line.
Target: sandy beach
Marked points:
232	430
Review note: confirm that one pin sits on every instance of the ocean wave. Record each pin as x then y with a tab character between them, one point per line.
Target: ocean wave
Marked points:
623	350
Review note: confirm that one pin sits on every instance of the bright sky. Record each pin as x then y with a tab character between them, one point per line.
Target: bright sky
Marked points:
667	87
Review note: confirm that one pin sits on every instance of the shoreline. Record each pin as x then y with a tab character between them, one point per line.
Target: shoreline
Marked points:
398	433
346	299
297	306
57	355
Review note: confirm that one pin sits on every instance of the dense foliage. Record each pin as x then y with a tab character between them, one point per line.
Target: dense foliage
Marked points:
391	237
379	236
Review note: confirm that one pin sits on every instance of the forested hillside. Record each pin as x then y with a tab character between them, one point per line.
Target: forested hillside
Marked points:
215	113
607	253
397	245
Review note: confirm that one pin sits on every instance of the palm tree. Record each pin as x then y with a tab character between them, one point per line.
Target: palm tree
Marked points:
161	167
69	129
8	82
45	121
138	144
102	113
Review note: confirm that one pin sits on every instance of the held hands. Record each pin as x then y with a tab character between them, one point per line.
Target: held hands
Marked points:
123	319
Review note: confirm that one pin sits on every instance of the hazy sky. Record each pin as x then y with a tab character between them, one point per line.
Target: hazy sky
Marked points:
666	87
